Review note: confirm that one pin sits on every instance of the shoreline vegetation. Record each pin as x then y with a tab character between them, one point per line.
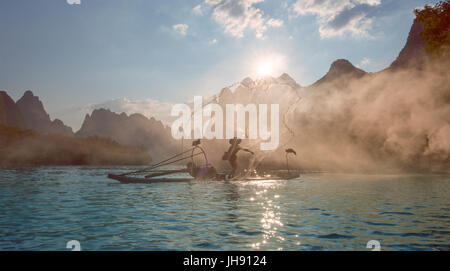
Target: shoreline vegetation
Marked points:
28	148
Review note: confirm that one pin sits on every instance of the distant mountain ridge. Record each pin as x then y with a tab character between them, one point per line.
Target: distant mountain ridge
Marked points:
135	130
29	113
36	117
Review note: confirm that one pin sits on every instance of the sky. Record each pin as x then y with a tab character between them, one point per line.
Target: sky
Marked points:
143	56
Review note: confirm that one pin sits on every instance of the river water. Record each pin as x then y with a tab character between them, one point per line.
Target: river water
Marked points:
43	208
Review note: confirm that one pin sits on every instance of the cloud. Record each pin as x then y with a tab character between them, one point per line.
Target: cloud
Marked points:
212	2
198	10
364	62
275	22
238	16
74	2
181	29
147	107
336	17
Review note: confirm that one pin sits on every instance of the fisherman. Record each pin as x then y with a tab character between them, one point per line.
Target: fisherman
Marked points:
231	154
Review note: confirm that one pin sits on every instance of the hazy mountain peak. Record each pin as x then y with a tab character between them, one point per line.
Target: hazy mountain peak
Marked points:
247	81
285	76
342	66
33	110
10	114
58	122
104	114
28	93
135	129
37	118
266	79
101	111
413	53
225	93
287	79
28	99
339	69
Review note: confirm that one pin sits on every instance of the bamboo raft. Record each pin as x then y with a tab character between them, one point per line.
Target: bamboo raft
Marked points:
154	174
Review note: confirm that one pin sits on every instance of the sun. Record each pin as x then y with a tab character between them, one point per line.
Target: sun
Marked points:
269	64
265	63
265	68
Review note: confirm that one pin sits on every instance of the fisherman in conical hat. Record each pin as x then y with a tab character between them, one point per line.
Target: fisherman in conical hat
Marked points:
231	154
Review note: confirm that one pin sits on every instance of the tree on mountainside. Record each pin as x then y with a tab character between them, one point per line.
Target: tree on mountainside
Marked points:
436	27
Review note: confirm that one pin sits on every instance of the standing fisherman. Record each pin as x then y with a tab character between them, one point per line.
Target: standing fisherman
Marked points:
231	154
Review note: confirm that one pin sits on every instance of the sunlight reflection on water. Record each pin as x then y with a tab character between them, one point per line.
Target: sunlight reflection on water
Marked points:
43	208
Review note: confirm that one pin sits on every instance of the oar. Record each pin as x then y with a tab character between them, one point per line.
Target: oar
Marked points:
167	160
167	172
178	160
159	164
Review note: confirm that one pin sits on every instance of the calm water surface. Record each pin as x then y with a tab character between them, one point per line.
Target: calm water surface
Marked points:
43	208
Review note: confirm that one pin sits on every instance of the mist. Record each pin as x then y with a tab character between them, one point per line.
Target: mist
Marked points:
395	120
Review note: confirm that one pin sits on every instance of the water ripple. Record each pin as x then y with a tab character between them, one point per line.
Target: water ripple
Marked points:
43	208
